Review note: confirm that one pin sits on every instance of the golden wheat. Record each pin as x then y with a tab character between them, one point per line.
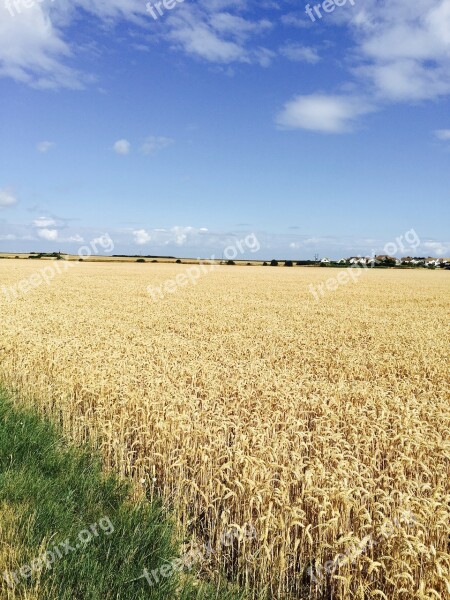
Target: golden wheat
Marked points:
243	401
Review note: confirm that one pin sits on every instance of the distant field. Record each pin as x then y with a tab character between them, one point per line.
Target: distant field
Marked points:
318	430
92	258
124	259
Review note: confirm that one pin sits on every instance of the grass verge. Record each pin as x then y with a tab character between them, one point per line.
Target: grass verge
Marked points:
70	532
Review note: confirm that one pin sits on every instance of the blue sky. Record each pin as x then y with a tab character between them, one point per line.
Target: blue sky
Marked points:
222	118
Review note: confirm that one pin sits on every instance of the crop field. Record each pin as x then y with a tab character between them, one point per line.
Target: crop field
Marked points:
317	429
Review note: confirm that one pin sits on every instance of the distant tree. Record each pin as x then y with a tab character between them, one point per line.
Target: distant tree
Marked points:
288	263
140	260
389	262
265	264
274	263
178	261
230	262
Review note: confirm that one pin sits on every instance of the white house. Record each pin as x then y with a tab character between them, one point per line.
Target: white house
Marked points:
361	260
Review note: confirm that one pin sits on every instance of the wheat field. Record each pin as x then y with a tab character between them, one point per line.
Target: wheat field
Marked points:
320	426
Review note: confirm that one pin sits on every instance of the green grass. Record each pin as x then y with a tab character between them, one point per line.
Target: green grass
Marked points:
49	494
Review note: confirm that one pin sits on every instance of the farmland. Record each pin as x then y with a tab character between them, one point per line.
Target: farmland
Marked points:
321	425
48	550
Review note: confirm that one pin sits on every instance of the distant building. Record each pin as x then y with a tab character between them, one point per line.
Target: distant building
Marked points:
361	260
384	258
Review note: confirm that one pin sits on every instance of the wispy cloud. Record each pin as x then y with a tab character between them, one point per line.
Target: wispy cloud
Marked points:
214	32
438	249
326	114
443	134
122	147
196	241
76	238
43	222
44	147
177	235
35	47
33	50
294	19
399	54
154	144
7	199
300	53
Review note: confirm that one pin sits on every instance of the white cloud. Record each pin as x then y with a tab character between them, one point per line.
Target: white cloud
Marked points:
405	48
437	248
296	20
400	54
7	199
76	238
178	235
122	147
141	237
198	39
326	114
32	49
48	234
44	147
225	22
153	144
33	41
34	46
183	235
44	222
299	53
406	80
398	51
443	134
263	56
210	30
